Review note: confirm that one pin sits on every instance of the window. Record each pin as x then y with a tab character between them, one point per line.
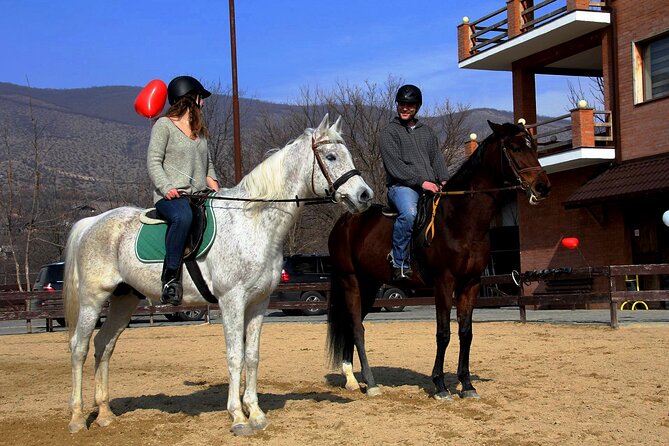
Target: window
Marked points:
651	73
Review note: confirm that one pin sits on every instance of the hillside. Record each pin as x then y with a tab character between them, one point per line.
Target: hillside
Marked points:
89	148
91	142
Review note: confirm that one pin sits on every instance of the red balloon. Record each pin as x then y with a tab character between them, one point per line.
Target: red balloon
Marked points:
570	242
151	100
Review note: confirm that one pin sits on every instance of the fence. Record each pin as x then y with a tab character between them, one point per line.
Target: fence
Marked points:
568	287
584	127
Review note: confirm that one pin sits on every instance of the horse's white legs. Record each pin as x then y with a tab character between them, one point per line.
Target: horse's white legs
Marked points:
120	312
255	315
79	343
232	313
347	371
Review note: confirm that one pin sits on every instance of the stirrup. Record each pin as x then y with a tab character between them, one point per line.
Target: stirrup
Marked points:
387	211
172	292
402	273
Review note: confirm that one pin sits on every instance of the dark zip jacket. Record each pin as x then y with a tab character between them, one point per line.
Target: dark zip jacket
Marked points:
411	156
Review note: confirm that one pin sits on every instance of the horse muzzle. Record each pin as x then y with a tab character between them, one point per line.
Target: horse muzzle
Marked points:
357	200
538	192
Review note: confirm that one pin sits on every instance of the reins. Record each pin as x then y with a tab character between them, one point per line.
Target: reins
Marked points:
429	229
478	191
297	200
517	171
330	192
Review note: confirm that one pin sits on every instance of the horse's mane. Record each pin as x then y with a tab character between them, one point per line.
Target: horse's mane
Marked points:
265	180
467	170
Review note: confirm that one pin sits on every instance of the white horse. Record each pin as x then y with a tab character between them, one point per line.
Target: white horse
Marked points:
241	268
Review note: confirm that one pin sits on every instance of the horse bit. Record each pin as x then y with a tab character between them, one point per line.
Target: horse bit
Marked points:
332	185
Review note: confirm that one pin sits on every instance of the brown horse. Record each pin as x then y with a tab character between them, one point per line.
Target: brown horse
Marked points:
452	264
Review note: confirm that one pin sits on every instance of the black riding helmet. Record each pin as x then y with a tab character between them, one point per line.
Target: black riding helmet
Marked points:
409	94
182	85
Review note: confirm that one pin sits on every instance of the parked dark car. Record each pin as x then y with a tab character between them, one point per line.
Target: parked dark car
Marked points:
316	268
50	278
391	292
304	268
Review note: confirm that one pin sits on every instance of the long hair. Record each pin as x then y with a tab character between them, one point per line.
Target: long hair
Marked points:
188	103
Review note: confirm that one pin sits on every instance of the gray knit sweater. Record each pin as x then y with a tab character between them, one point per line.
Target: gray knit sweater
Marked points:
175	161
411	156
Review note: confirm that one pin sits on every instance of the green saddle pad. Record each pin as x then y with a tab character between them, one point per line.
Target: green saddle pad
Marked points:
150	242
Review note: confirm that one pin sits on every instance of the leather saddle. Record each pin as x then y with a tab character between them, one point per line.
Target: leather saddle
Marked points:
197	228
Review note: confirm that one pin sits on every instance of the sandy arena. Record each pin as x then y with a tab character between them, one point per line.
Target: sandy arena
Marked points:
540	384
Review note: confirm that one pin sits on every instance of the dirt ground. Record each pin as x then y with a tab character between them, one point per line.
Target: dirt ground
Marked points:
540	384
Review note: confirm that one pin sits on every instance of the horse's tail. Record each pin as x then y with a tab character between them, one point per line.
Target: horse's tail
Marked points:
340	323
340	320
71	273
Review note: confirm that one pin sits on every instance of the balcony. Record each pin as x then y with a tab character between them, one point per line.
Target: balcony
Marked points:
522	28
581	138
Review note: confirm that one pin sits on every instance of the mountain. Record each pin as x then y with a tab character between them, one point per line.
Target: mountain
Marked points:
88	148
91	141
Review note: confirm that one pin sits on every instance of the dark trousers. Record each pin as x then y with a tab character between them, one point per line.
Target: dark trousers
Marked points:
179	216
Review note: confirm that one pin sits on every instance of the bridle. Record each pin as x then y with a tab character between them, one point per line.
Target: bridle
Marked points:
519	172
332	185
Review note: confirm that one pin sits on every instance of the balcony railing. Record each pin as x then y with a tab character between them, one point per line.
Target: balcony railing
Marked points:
584	128
516	18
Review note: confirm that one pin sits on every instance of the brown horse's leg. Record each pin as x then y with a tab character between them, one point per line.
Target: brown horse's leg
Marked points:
355	293
443	292
465	309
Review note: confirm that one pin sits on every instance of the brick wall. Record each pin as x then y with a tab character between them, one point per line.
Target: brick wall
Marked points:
644	128
543	226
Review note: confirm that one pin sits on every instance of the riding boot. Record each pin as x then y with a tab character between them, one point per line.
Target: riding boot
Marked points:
172	290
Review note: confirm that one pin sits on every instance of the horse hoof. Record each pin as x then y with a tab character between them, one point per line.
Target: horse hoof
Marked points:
469	394
242	430
352	387
77	425
443	396
373	391
104	421
259	424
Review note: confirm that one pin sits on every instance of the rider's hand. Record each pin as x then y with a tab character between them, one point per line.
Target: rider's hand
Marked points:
430	186
172	193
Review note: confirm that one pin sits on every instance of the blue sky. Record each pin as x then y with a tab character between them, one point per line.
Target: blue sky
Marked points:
282	46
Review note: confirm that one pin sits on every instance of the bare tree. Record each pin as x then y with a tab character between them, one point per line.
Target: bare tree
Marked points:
450	121
218	116
595	97
365	111
21	215
9	209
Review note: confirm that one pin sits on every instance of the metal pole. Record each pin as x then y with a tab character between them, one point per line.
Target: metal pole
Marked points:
235	96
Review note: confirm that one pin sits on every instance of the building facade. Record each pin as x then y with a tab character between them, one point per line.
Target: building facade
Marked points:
609	167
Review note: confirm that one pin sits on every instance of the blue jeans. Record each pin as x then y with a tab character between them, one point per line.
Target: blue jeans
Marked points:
179	217
405	200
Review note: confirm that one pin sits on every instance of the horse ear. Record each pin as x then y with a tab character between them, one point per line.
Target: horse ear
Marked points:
496	128
337	125
323	126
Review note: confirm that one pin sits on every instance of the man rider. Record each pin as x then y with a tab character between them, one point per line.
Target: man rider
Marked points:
413	164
